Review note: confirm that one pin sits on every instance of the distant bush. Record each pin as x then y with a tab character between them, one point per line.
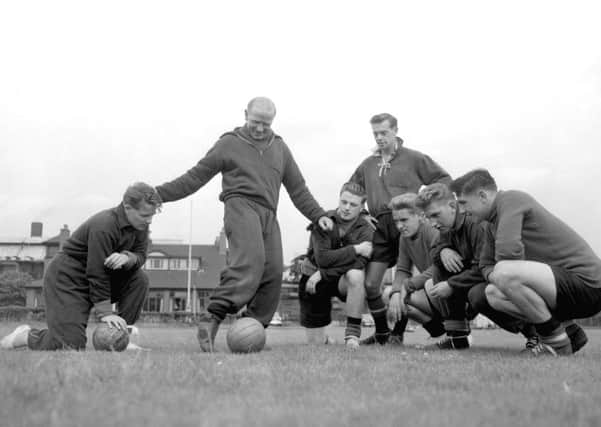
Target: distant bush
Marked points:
12	288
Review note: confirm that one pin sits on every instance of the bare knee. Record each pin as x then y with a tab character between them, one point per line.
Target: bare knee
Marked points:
355	278
504	276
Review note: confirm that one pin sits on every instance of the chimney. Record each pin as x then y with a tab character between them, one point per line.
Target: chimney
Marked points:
36	229
222	243
63	236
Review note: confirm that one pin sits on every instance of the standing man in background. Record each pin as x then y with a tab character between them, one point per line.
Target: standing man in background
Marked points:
391	171
254	162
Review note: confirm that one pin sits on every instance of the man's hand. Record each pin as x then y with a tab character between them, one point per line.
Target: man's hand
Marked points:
115	321
396	307
116	260
326	223
441	290
312	282
452	261
364	249
372	221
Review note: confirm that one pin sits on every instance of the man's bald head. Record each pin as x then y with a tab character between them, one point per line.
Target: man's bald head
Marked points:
261	105
259	115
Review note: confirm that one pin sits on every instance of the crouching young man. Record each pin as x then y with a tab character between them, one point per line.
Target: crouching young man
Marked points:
334	267
98	265
538	268
408	299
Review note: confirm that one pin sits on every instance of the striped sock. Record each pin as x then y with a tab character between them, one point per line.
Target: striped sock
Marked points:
554	335
353	327
378	312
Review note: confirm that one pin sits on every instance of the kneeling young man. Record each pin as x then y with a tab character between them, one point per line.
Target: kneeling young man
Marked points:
538	269
335	268
98	265
408	299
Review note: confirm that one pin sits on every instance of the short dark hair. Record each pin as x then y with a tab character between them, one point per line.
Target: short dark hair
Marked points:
436	192
141	192
380	118
354	188
473	181
404	201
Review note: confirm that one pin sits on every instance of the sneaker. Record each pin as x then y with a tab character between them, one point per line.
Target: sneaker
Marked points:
205	337
577	337
19	335
351	342
376	339
531	342
540	349
452	343
395	339
135	347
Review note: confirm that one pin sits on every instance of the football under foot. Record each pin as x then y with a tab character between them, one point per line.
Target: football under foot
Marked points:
16	339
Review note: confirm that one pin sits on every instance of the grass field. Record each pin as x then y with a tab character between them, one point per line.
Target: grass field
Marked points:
298	385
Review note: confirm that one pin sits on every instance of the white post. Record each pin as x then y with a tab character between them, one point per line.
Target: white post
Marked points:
188	302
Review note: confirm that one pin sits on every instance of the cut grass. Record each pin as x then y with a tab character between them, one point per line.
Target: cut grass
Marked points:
296	385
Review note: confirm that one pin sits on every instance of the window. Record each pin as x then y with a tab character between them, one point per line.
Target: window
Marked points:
179	303
153	303
156	264
178	264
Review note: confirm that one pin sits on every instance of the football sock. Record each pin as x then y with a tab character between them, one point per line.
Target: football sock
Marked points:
528	330
553	334
353	327
400	326
378	312
434	327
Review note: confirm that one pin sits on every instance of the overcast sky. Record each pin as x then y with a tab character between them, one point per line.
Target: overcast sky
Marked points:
97	95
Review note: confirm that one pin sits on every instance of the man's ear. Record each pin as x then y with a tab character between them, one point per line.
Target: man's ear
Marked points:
245	115
453	204
482	196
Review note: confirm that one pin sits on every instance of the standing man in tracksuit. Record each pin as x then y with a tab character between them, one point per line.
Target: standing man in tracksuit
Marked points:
99	264
254	162
390	171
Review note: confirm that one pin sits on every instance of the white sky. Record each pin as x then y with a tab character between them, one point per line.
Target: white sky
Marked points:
96	95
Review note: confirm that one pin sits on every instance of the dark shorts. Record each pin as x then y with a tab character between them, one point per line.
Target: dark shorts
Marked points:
385	240
575	299
316	309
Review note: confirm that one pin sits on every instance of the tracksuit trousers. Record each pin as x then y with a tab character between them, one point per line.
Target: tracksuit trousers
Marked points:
254	274
68	304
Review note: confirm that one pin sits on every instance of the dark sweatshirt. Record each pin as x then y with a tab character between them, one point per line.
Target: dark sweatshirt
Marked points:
248	170
416	252
101	235
334	254
406	172
524	230
466	237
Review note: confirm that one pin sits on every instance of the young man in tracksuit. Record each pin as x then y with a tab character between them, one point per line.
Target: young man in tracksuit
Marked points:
334	267
538	269
407	298
254	163
392	170
457	275
98	265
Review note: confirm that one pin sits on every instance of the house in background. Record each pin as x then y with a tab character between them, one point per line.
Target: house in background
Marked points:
166	266
167	269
